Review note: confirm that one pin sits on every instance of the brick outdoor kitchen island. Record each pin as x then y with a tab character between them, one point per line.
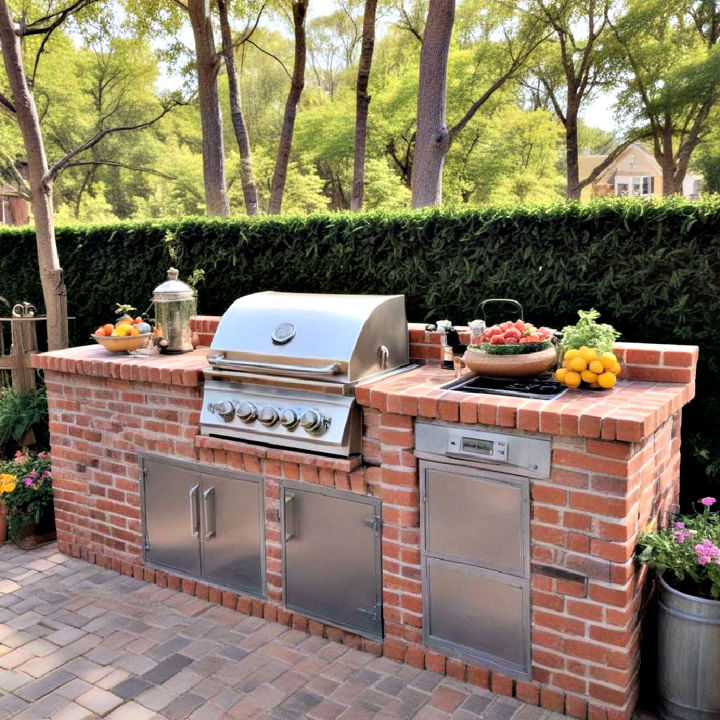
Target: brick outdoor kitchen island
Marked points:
614	470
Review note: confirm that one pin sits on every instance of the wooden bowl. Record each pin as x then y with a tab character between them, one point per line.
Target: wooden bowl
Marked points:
510	365
120	344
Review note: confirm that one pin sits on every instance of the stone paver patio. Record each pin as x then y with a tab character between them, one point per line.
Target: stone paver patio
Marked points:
78	641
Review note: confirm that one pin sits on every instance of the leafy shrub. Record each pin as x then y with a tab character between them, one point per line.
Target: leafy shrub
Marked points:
20	412
687	552
650	268
25	489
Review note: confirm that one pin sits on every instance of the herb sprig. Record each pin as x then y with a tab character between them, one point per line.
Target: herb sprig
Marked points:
588	331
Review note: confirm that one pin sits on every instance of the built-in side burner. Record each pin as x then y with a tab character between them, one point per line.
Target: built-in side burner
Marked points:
542	387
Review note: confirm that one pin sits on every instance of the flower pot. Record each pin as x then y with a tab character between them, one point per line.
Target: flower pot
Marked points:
32	535
688	656
3	524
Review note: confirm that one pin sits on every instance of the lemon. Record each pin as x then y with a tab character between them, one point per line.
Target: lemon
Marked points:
572	379
615	369
588	354
608	360
596	366
122	330
572	353
560	374
606	380
588	377
578	364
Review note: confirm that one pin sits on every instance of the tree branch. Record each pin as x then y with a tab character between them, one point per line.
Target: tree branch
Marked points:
274	57
60	165
605	164
6	106
38	27
115	163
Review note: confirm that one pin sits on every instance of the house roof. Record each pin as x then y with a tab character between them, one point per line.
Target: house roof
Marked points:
587	163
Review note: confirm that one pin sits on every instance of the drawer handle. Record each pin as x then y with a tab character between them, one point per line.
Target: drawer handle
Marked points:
289	516
209	512
194	519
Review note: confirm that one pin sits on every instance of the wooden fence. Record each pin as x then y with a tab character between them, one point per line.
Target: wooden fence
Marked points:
18	341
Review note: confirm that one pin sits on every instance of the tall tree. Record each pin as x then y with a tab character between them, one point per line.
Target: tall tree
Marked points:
297	83
207	62
674	79
41	174
432	138
247	178
362	104
581	64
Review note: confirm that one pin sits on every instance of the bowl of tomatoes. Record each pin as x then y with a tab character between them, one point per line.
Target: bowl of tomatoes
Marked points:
126	335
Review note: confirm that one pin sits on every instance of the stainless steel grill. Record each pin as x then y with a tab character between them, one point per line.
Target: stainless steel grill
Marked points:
284	366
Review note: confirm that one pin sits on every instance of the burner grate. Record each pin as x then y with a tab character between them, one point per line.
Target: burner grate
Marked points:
542	387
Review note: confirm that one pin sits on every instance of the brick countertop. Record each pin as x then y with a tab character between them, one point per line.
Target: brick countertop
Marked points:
94	360
629	412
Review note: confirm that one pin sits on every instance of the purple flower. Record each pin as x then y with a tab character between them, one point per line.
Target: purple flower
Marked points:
681	536
707	552
34	474
707	501
47	474
679	525
28	481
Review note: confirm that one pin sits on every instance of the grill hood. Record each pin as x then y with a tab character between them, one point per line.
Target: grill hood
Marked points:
333	338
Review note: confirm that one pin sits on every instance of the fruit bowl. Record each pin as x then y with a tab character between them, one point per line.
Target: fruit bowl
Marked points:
122	343
525	364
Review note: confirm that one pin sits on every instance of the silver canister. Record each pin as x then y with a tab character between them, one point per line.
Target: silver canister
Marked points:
175	303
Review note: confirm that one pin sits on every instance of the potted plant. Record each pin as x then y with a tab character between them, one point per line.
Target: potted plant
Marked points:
26	493
686	554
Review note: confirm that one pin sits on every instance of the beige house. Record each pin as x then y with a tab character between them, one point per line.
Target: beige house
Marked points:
634	172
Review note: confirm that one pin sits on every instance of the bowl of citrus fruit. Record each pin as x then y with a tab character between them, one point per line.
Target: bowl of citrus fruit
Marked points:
126	335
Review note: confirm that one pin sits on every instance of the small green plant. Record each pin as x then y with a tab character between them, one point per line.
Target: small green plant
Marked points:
587	331
687	552
20	412
25	489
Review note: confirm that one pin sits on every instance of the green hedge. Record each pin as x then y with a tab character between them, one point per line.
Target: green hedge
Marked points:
652	269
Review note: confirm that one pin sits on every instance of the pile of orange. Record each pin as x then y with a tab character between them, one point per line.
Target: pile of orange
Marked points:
590	367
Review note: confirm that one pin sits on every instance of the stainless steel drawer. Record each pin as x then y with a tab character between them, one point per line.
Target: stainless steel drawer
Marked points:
478	614
475	517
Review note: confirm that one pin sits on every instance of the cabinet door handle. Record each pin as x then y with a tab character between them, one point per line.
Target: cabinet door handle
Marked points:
209	512
289	516
194	519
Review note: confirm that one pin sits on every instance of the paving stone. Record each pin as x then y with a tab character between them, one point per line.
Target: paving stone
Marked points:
131	688
44	685
98	700
500	711
208	711
391	685
182	682
167	648
183	706
131	711
477	704
72	689
165	669
73	711
135	664
12	704
156	698
12	679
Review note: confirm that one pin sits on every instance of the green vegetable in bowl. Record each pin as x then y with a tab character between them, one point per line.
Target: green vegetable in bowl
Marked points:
525	349
599	336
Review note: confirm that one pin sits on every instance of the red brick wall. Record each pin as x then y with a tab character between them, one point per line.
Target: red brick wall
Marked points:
585	520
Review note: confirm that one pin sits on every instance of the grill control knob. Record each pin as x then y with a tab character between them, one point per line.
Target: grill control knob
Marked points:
289	418
314	421
246	411
225	409
268	416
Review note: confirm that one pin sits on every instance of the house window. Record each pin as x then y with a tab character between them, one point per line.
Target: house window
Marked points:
639	186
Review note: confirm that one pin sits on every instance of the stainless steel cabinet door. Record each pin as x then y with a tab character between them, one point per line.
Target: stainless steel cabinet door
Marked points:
480	613
231	532
331	557
472	517
172	523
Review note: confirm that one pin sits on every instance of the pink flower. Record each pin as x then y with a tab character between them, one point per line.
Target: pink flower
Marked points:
28	481
681	536
44	455
679	525
19	457
707	501
707	552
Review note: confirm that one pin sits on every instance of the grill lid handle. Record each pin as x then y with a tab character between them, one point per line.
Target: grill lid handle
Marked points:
220	361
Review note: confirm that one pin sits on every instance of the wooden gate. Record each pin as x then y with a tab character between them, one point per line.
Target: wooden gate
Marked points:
15	354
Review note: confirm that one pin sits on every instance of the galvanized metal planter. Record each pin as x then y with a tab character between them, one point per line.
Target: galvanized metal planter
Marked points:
688	656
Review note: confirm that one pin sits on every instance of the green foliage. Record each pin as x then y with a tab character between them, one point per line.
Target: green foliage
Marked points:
687	552
20	412
589	332
649	267
26	489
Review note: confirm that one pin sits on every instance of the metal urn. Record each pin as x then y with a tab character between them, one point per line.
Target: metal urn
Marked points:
175	302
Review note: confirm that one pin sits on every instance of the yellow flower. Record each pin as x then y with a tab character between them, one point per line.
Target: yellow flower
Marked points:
7	483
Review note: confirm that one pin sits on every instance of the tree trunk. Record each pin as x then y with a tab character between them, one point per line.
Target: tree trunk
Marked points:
432	136
51	274
362	104
247	178
297	83
573	188
207	62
